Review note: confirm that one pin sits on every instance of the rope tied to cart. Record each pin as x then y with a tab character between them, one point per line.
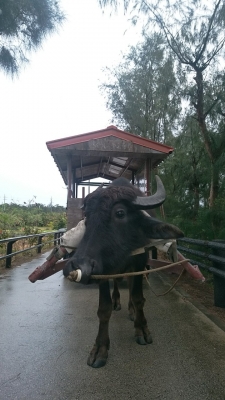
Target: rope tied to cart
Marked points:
75	276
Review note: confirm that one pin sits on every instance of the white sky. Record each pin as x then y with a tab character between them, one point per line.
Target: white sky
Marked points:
57	95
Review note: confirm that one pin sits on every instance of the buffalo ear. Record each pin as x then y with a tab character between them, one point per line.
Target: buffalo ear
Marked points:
90	194
161	230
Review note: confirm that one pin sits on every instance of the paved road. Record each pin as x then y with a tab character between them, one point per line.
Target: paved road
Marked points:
47	329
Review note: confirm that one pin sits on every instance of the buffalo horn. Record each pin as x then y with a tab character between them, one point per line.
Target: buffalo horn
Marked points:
148	202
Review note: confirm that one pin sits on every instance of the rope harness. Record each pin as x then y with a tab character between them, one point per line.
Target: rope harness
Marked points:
171	287
76	275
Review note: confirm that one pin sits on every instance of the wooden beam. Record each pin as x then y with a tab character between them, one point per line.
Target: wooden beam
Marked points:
105	167
126	166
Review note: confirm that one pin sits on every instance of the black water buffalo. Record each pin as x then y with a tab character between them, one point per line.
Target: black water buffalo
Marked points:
115	227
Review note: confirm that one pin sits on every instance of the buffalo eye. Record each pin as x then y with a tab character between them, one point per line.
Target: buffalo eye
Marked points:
120	214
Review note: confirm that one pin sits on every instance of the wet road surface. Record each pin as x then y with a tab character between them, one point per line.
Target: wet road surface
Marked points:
48	328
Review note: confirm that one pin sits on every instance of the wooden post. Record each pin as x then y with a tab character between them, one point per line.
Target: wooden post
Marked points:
73	183
9	251
76	190
147	174
83	192
39	243
69	176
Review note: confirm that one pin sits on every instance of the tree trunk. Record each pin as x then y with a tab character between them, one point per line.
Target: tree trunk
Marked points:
214	186
196	200
201	120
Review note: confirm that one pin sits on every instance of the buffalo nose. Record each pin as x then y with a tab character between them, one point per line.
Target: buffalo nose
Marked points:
66	270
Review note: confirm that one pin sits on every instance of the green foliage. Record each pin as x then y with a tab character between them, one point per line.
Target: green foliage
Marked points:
23	26
195	35
171	88
208	225
140	88
26	220
59	222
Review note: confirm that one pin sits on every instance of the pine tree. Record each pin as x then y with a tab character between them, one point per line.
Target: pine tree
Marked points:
23	26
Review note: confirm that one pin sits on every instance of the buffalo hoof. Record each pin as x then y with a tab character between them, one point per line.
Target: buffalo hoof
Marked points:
98	357
117	307
140	340
147	335
116	304
99	363
148	339
143	337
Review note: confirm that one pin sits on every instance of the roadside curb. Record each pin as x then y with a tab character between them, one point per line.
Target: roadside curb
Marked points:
216	320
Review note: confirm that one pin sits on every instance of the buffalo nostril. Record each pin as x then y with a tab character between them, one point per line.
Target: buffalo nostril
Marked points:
69	267
94	264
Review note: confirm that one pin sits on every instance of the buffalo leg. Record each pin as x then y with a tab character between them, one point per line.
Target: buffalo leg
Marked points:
131	310
142	333
99	354
116	296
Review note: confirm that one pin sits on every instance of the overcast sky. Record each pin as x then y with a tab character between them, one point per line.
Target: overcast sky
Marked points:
57	95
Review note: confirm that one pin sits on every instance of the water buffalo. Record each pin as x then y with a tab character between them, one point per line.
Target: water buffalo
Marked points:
116	225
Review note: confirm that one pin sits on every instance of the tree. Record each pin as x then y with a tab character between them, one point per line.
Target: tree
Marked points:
142	93
186	171
23	26
195	33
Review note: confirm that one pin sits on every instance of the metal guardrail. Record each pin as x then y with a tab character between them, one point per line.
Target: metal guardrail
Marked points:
210	256
10	241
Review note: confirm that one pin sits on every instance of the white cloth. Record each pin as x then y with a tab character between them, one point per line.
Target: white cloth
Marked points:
71	239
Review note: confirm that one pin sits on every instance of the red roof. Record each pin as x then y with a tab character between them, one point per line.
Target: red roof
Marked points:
107	153
109	131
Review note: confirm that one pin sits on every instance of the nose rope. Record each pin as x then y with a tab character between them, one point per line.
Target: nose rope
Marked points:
75	275
171	287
